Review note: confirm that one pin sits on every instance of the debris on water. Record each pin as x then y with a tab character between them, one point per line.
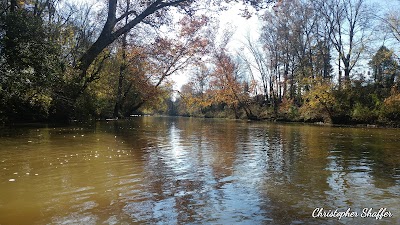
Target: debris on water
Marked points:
11	180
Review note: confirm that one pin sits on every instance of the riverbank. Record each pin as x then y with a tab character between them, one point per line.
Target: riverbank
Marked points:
42	124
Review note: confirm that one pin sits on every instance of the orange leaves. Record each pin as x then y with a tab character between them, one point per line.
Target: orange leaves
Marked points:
150	65
225	84
172	53
191	25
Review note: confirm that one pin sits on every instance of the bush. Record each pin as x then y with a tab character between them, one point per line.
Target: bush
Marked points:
363	114
288	110
391	108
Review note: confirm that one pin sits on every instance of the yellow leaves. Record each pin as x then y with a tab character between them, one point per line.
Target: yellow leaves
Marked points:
318	99
393	101
391	107
320	94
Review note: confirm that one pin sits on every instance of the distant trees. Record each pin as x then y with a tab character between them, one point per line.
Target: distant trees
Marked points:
62	61
302	39
218	84
308	61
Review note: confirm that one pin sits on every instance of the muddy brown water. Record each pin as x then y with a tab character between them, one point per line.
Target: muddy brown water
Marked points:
160	170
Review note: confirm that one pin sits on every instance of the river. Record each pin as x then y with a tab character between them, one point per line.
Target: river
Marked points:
160	170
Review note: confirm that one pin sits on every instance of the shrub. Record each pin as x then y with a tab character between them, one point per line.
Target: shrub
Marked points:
391	108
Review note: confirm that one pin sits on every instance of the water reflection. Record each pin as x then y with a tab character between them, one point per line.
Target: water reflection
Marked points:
196	171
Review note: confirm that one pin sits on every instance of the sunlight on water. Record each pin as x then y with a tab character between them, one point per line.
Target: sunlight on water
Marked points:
182	170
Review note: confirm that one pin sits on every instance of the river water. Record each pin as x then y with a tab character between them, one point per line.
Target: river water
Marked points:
160	170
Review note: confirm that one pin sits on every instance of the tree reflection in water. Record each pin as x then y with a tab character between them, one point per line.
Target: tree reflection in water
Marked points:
185	170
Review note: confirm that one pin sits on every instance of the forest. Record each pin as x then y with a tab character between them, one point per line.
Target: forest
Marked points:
330	61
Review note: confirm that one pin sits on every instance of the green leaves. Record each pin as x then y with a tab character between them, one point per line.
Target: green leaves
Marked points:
30	65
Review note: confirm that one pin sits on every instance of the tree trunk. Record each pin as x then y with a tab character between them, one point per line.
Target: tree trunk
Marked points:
13	5
340	76
122	69
346	63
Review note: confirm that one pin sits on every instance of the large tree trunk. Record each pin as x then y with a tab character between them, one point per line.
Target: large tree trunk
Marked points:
108	35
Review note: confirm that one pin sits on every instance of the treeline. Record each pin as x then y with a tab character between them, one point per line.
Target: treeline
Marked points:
315	61
62	62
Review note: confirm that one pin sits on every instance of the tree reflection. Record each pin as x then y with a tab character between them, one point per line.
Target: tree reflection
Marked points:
185	170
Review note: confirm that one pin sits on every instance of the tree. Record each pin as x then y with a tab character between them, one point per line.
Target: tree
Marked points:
226	85
122	70
393	22
196	93
29	61
385	70
349	22
319	102
121	19
149	12
293	44
257	61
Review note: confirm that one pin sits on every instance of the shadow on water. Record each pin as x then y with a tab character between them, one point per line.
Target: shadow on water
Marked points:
196	171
